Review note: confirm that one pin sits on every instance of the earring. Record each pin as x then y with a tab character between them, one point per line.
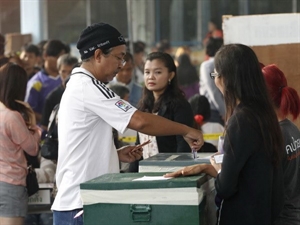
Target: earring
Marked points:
169	81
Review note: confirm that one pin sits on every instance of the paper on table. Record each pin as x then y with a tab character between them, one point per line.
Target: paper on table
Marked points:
206	157
149	178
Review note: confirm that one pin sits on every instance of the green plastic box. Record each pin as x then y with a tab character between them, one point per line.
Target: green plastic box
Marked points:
169	162
115	199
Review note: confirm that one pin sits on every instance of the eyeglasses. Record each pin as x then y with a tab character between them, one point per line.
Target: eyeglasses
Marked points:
213	75
123	62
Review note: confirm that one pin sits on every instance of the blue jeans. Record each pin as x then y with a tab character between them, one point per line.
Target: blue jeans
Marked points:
67	217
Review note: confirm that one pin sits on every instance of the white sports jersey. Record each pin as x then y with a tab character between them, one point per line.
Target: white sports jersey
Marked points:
88	111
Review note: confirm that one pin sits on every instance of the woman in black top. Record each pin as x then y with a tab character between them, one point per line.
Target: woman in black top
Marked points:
162	96
249	180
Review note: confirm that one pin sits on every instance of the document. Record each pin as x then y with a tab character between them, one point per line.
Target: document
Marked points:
150	178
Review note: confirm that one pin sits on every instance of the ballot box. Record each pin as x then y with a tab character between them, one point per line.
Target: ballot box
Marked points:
169	162
121	199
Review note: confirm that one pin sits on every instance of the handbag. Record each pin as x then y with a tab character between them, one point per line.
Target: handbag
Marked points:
32	184
49	148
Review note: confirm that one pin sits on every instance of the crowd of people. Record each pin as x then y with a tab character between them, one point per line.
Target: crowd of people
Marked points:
157	97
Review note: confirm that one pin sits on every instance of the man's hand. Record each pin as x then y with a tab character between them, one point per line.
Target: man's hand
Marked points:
126	154
194	138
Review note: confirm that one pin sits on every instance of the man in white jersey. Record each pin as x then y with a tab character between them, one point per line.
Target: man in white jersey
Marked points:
88	112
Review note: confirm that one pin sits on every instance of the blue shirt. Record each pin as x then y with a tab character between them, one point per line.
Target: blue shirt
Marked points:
38	87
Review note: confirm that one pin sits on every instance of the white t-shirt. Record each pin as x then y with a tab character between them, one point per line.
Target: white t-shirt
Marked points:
88	111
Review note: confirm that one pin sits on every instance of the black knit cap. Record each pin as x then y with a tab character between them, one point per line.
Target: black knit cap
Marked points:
99	35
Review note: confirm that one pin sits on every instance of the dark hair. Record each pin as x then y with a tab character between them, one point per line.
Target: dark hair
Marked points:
128	57
30	48
66	59
139	47
120	90
13	82
163	45
41	46
213	45
187	73
54	48
243	81
200	106
3	61
2	44
286	99
172	93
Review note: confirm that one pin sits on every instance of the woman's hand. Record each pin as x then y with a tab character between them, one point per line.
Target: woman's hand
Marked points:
130	154
188	171
217	166
30	113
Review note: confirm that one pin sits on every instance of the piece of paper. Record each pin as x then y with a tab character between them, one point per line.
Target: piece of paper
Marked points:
206	157
149	178
219	158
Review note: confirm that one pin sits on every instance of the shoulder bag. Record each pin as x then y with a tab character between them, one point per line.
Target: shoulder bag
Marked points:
49	148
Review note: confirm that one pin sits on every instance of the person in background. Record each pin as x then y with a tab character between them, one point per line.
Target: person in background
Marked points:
13	57
47	79
162	96
201	109
138	58
180	51
30	57
125	77
18	134
88	112
214	31
187	76
65	64
249	181
286	102
207	85
164	46
121	90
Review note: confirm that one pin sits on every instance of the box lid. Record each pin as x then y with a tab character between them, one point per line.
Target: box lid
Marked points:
121	181
176	159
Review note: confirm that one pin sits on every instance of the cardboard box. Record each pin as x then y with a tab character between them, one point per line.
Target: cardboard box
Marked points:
15	41
118	199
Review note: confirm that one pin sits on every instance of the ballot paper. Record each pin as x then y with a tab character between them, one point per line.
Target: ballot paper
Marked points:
219	158
149	178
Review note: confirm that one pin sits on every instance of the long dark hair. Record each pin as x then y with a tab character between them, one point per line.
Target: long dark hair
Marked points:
13	82
187	73
243	81
172	94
